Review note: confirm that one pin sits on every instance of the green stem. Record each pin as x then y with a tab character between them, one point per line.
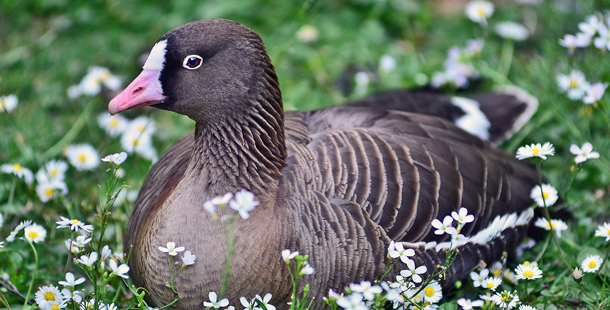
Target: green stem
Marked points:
230	247
506	57
70	135
27	296
12	194
604	261
546	244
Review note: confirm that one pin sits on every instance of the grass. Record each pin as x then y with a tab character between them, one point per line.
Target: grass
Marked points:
47	46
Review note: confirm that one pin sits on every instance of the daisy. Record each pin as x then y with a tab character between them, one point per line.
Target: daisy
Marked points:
72	247
512	31
17	229
595	92
138	139
265	301
54	170
397	250
526	307
592	263
171	249
603	41
491	283
243	203
583	153
287	255
467	304
19	171
479	11
92	83
603	231
528	272
590	26
82	156
413	272
214	302
48	296
307	33
574	84
188	258
49	190
433	292
114	125
506	300
548	192
444	227
478	278
81	241
558	225
496	269
74	224
535	150
571	42
88	260
71	281
387	63
116	158
35	233
119	270
367	290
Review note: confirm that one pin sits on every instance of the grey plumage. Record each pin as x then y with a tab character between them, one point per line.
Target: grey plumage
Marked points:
337	184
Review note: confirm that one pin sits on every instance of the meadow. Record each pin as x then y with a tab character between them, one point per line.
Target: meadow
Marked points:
62	61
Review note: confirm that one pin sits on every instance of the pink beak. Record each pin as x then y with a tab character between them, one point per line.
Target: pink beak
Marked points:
145	90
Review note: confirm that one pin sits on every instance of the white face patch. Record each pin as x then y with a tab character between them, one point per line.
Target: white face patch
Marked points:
156	60
474	121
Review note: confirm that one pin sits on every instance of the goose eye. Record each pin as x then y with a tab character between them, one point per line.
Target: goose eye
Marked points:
192	62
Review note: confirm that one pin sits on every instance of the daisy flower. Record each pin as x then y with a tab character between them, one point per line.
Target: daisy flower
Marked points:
81	241
528	272
74	224
433	292
526	307
17	229
48	296
137	138
548	192
479	11
496	269
116	158
387	63
35	233
590	25
491	283
478	278
444	227
82	156
188	258
214	302
114	125
603	231
54	170
307	33
512	31
535	150
171	249
467	304
603	41
558	225
243	203
92	83
583	153
571	42
506	300
574	84
592	263
595	92
19	171
49	190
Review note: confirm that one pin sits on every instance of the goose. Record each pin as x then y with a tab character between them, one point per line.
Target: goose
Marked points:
338	184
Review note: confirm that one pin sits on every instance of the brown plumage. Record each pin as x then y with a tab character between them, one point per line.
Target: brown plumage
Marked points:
337	184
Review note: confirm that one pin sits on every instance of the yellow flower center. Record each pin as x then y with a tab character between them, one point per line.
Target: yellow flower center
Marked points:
608	231
496	272
592	264
82	158
573	83
553	225
136	142
17	167
536	151
33	234
53	172
55	307
545	195
48	192
528	273
75	221
49	296
526	263
429	291
504	298
480	11
490	285
114	123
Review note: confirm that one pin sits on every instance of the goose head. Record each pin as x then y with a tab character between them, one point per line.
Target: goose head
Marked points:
208	70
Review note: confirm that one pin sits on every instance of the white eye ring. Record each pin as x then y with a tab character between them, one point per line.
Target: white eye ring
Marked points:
198	61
